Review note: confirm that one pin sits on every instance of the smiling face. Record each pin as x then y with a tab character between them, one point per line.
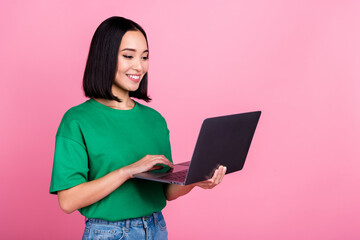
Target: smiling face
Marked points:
132	63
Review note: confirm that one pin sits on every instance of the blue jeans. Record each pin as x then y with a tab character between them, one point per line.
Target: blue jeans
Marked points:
148	227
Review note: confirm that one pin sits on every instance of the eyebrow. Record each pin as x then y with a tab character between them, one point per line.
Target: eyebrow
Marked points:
131	49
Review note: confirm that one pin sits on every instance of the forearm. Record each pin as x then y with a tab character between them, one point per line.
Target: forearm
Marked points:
90	192
173	191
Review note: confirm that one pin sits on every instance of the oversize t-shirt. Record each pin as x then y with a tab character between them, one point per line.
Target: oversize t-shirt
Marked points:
94	140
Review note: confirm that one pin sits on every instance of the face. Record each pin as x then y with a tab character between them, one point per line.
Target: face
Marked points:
132	63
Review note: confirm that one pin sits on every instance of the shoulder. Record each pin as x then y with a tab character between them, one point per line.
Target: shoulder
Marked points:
71	119
150	112
153	115
78	112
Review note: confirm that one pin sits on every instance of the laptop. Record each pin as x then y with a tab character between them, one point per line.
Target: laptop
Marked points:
223	140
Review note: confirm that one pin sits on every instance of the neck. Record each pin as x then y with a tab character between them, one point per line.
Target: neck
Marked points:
126	102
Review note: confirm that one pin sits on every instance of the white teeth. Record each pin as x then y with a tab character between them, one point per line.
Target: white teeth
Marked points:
134	77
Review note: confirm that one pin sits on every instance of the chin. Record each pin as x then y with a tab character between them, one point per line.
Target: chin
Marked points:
134	87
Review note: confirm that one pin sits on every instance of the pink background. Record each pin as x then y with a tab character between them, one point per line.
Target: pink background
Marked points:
297	61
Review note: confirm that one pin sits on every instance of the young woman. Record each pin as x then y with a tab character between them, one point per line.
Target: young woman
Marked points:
103	142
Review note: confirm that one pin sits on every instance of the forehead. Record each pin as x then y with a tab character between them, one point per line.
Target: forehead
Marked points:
134	40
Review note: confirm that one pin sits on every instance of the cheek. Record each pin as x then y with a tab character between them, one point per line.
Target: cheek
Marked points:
145	66
122	67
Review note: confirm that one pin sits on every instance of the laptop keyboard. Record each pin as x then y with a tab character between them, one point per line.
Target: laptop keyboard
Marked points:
177	176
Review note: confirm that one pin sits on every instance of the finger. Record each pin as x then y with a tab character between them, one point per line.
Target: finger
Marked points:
205	185
218	177
167	161
210	182
223	174
155	157
156	168
151	164
206	182
163	160
216	173
201	184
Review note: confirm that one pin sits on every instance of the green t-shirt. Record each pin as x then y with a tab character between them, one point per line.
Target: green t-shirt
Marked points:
94	140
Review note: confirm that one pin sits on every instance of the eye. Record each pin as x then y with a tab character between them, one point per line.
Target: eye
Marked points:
127	56
145	58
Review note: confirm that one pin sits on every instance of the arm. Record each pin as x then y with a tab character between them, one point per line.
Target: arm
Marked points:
173	191
90	192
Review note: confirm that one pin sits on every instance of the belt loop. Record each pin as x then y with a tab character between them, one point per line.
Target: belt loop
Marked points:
155	219
144	222
127	224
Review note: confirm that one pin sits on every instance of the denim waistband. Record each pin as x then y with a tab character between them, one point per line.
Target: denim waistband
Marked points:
140	221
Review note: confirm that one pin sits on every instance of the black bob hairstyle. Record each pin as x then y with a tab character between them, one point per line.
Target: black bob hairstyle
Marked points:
102	60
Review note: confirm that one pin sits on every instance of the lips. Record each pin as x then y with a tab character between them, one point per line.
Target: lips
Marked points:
134	77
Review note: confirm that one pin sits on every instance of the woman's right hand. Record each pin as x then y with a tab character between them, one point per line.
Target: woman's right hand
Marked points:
147	163
87	193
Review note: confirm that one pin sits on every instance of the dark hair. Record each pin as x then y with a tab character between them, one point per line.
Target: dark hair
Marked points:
102	60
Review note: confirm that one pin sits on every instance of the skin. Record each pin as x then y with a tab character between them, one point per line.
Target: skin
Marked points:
133	61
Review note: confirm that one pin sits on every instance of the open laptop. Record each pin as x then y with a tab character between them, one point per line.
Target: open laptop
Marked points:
223	140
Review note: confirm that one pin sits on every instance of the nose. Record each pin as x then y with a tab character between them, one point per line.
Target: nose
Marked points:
137	65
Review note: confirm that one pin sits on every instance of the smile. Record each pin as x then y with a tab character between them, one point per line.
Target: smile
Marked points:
134	77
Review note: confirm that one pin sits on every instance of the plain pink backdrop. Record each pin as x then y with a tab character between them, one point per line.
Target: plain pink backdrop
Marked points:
297	61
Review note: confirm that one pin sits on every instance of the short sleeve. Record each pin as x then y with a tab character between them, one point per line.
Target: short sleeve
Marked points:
70	165
167	143
166	146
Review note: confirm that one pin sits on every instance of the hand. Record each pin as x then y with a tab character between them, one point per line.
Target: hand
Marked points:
215	180
147	163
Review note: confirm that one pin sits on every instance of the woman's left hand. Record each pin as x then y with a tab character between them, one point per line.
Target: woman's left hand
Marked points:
215	180
173	191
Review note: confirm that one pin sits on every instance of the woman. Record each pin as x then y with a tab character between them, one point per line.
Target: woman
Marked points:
103	142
